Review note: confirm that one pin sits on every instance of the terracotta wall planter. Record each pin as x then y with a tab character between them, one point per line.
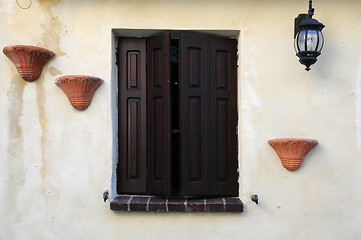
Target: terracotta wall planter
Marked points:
29	60
292	151
79	89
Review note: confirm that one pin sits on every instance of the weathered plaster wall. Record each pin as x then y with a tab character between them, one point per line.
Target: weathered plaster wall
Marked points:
55	161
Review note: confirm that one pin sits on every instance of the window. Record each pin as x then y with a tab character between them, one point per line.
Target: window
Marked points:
177	115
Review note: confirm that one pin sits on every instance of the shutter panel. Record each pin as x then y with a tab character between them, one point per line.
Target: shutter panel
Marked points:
159	129
223	102
194	115
132	116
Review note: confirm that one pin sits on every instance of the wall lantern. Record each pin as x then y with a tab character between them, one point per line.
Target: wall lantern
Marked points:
308	38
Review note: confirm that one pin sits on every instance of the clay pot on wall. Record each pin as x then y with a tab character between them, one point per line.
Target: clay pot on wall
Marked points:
79	89
29	60
292	151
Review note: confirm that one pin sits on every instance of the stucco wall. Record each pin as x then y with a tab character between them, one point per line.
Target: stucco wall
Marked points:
55	161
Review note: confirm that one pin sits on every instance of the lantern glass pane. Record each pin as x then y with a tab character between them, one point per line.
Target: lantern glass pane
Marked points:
295	43
320	44
312	40
301	40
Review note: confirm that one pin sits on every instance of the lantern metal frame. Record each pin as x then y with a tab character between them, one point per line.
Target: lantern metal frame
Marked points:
306	22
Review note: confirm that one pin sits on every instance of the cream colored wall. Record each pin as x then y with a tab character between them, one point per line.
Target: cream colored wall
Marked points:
55	161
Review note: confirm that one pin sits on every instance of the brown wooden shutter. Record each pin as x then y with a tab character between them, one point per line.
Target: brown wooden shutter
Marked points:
223	102
159	129
194	115
132	175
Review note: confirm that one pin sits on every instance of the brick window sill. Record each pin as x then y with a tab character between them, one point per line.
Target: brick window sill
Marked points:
180	204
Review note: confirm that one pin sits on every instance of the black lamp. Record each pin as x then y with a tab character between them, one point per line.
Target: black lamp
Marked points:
308	38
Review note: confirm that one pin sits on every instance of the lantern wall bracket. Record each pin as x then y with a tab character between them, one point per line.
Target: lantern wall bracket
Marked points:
300	18
303	17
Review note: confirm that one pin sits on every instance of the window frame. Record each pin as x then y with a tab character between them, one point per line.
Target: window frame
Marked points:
116	33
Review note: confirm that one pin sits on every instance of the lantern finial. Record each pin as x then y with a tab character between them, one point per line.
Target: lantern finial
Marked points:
310	10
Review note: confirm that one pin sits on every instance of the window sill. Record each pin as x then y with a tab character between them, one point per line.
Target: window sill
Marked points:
181	204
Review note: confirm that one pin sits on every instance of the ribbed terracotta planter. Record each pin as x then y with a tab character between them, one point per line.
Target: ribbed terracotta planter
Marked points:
292	151
79	89
29	60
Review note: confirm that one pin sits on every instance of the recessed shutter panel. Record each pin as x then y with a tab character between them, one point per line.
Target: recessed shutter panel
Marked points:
194	115
223	102
132	116
159	129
